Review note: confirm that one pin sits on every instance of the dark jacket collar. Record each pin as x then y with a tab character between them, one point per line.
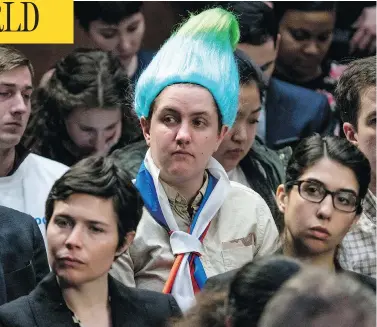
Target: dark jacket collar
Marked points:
49	308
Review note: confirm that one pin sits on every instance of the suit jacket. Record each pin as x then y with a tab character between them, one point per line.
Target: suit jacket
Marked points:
294	112
131	307
23	258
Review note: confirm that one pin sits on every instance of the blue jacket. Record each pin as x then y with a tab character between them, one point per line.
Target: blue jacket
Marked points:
293	112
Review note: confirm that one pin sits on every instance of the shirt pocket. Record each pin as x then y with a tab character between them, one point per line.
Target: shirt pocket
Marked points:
236	257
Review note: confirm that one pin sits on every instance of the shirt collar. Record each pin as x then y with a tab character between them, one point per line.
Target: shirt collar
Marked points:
177	199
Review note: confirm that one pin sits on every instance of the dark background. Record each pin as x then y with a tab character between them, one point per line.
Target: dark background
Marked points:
160	18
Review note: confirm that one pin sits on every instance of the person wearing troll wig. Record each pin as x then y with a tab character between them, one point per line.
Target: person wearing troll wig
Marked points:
196	222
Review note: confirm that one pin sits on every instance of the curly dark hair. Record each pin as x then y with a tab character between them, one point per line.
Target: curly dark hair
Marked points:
83	79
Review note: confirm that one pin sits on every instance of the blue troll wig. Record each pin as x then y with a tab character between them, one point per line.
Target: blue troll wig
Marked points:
199	52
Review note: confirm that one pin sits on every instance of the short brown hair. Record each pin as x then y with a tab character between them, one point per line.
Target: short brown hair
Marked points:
11	58
358	76
316	297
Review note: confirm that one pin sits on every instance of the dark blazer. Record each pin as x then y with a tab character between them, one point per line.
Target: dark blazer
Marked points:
23	258
131	307
294	112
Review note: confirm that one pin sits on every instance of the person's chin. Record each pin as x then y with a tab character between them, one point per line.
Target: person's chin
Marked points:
317	246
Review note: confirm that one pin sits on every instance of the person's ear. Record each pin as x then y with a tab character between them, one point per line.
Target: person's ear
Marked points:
224	130
281	198
350	133
277	44
145	127
355	220
128	239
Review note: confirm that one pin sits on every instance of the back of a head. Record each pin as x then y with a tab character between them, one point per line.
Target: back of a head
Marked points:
316	298
209	311
257	21
200	52
254	285
354	81
110	12
88	78
11	58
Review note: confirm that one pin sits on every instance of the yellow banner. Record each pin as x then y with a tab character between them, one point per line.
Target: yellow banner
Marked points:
36	21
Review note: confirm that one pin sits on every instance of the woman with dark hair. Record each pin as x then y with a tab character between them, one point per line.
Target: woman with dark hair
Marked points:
92	214
241	153
326	181
306	29
117	26
84	109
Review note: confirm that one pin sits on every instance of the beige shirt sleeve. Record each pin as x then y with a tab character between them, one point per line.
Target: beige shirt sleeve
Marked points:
267	233
123	269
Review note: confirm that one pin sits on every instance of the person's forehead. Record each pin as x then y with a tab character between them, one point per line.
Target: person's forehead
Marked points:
19	77
332	174
260	54
187	96
86	207
367	101
310	20
127	20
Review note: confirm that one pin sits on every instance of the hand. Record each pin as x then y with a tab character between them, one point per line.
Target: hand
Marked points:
365	36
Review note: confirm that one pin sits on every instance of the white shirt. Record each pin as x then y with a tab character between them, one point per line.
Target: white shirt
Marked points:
237	175
26	190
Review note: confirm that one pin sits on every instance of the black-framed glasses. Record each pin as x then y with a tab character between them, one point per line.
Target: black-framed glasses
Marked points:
343	200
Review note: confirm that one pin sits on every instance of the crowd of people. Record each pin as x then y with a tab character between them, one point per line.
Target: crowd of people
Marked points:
227	179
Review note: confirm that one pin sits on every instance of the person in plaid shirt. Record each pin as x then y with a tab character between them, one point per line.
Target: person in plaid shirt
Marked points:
356	98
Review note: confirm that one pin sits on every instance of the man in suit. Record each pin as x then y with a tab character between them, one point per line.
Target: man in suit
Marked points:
290	112
23	255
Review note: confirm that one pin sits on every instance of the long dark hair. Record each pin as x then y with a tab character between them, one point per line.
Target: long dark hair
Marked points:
263	184
83	79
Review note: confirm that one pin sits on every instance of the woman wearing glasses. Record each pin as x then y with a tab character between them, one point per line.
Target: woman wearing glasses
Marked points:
326	180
